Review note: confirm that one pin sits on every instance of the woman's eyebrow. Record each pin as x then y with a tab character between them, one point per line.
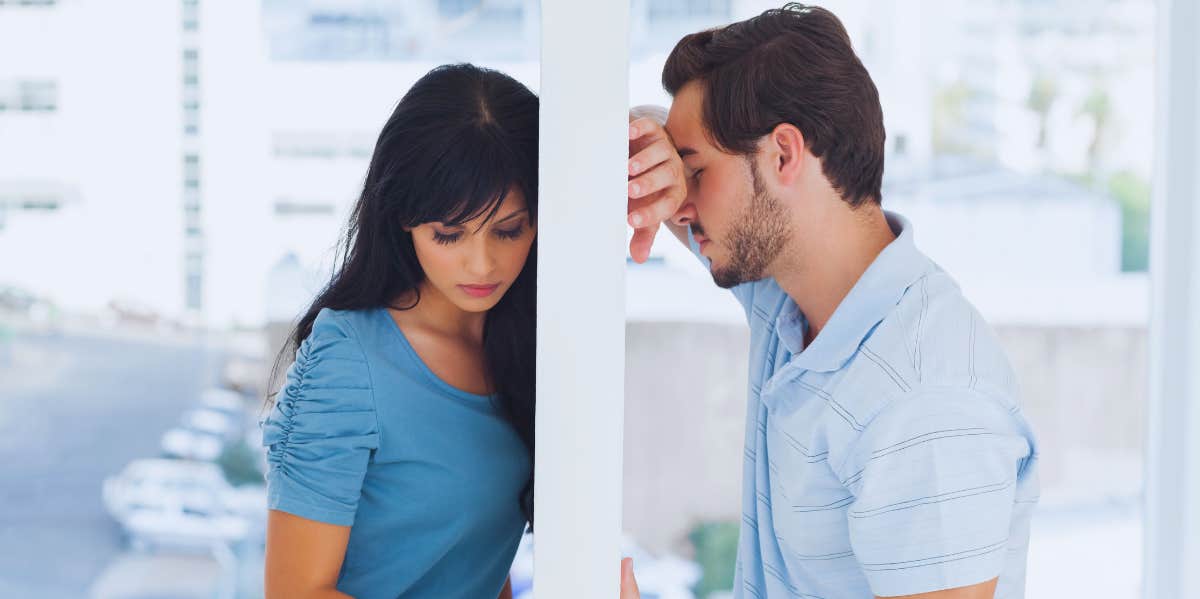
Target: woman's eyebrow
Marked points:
512	215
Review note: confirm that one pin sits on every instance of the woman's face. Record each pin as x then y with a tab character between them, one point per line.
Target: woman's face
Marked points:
474	264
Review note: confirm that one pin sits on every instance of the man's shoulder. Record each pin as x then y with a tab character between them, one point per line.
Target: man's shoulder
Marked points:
933	341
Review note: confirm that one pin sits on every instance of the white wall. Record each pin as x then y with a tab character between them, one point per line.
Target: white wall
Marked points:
113	145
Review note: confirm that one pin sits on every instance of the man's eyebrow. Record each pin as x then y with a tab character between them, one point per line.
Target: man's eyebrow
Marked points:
684	152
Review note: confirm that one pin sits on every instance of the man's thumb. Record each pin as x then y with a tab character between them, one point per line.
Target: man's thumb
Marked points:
629	588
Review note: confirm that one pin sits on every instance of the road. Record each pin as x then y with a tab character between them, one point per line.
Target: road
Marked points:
75	408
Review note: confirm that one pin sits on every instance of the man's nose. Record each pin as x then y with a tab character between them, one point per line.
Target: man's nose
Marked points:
685	215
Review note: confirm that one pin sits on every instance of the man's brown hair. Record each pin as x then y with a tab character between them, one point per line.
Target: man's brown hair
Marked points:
790	65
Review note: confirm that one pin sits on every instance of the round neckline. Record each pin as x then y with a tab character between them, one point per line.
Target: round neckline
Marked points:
430	374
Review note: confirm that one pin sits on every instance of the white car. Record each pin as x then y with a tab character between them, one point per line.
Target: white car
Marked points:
226	401
212	422
174	527
179	502
158	483
189	444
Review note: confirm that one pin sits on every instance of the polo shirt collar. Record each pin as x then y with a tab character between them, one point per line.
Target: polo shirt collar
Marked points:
876	293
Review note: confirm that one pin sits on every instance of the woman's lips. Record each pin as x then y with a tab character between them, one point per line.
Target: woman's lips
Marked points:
479	290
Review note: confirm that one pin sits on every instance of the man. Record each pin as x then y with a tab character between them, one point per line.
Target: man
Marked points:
885	453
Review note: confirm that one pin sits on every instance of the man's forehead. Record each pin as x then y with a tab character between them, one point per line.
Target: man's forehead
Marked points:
684	118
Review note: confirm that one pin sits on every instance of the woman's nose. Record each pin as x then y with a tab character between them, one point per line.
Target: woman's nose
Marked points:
479	260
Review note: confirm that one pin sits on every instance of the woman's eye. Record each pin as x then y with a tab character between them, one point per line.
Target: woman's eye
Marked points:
696	175
446	238
510	233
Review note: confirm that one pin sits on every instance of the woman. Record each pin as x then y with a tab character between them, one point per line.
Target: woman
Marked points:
400	443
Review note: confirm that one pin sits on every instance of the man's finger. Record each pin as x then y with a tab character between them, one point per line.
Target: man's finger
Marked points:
651	156
655	209
641	127
658	178
629	588
640	244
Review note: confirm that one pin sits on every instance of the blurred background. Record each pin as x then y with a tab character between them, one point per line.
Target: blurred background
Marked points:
174	176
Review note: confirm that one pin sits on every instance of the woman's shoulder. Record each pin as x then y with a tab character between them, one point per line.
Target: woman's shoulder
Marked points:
330	320
331	371
335	335
358	325
364	335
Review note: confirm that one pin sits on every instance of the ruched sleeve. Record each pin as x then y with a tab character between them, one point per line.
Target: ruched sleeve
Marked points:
322	431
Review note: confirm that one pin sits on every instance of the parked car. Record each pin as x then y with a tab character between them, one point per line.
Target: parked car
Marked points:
213	422
225	401
161	502
160	482
171	526
190	444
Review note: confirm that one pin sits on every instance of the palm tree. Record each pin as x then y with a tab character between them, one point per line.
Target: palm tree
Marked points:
1042	94
1098	106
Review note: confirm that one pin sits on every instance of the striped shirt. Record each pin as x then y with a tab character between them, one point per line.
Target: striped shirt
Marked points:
889	457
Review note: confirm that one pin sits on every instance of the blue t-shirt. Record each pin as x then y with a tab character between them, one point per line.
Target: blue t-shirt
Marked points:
427	476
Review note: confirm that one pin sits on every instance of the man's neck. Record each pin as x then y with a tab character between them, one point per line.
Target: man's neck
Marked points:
829	259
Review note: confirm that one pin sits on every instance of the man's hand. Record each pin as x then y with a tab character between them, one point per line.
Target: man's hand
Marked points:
657	184
629	588
983	590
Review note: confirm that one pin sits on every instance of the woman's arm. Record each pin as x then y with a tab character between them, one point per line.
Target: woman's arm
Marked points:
303	557
506	592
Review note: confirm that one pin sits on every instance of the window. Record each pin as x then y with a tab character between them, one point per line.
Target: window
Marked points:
442	30
191	15
285	207
36	204
658	24
32	197
673	10
191	117
29	95
326	145
194	290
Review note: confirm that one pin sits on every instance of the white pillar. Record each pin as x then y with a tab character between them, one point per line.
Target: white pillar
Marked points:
581	291
1172	550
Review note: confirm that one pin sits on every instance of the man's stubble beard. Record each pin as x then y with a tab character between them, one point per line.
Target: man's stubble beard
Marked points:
757	235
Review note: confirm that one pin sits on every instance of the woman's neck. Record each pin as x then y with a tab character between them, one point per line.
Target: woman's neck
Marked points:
435	312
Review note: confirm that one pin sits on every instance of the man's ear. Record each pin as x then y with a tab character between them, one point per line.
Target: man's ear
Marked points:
787	151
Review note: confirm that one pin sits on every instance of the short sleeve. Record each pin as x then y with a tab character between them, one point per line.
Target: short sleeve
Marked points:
323	428
934	479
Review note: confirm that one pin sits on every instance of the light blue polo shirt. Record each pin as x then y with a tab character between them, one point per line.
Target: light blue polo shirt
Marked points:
890	457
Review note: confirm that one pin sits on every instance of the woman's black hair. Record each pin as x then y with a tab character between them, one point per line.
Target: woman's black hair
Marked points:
457	142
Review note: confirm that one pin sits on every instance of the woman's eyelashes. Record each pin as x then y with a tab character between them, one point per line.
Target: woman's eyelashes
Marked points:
506	233
511	232
446	238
